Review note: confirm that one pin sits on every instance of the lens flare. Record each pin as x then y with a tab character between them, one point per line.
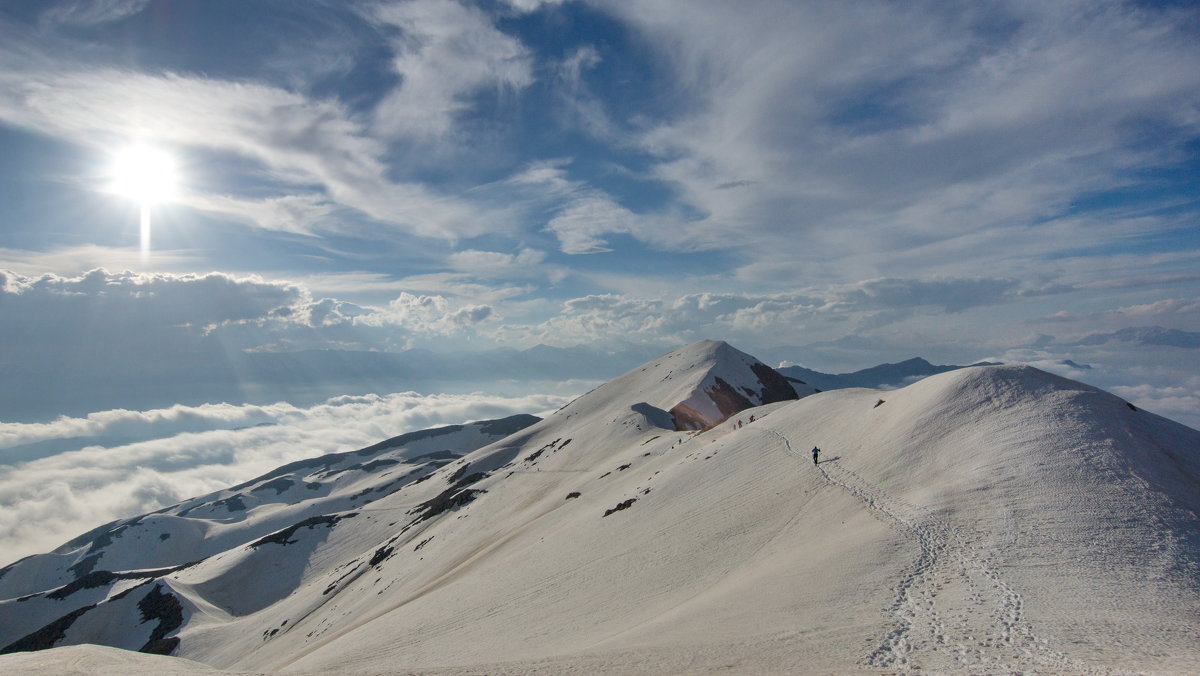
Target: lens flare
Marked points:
144	174
147	176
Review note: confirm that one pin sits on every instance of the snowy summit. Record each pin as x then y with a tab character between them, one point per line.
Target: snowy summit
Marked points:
990	519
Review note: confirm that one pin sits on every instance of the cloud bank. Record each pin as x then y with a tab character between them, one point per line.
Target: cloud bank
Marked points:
188	451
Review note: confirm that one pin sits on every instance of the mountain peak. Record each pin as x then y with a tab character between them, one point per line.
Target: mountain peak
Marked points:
600	540
698	385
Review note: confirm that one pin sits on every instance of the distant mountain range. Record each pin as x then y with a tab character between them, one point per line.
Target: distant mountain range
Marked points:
676	519
1146	335
881	376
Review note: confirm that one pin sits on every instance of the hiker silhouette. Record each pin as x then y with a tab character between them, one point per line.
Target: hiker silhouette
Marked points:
816	452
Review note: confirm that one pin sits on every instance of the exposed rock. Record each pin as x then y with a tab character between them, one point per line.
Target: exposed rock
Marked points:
625	504
165	608
282	537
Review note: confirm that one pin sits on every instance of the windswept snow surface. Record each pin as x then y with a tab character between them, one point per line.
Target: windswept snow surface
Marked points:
987	520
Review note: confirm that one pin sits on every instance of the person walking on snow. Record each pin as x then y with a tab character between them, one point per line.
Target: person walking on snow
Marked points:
816	452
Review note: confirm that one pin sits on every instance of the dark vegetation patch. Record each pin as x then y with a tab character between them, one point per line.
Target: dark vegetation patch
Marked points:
458	473
384	488
313	485
96	578
106	538
573	494
47	636
624	504
364	467
456	495
28	596
283	537
232	503
86	565
164	536
624	467
279	485
427	477
1131	406
165	608
879	403
184	512
100	578
332	586
443	502
422	543
380	555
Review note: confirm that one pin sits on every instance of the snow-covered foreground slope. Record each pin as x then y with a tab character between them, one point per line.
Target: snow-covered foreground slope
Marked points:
987	520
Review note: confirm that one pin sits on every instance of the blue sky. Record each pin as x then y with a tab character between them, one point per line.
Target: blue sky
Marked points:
835	184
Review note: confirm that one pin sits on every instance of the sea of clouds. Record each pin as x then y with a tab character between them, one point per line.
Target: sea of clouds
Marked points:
61	478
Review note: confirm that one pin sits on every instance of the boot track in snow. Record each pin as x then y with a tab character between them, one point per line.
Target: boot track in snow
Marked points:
981	629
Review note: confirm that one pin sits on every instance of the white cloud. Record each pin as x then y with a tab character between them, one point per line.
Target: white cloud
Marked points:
47	501
875	138
71	260
100	303
1162	308
426	314
812	312
300	141
581	225
303	214
92	12
446	52
532	5
1174	401
495	263
950	295
583	215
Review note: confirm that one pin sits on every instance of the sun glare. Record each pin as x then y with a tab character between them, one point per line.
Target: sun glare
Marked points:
147	176
144	174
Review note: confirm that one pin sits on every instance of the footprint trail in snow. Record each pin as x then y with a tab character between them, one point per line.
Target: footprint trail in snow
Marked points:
953	610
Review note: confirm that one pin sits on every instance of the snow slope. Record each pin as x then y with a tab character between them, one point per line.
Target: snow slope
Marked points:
986	520
115	556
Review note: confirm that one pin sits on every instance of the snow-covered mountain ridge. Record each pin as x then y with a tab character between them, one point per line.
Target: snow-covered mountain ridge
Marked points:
985	520
200	527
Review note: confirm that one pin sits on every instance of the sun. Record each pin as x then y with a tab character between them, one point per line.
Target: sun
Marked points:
144	174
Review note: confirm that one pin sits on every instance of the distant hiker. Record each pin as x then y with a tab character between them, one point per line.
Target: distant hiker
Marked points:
751	418
816	452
